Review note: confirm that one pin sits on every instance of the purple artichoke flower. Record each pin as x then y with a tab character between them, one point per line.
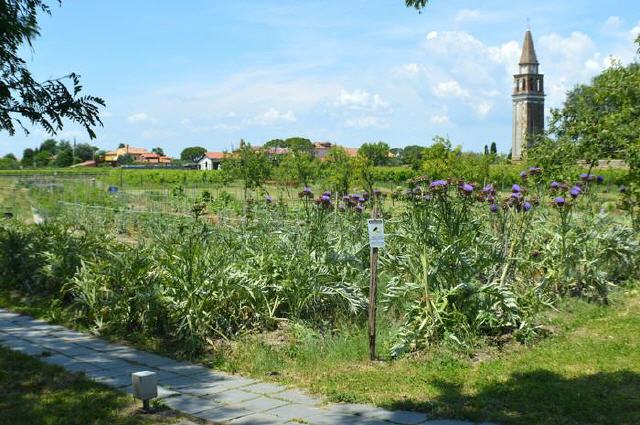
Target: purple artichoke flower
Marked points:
377	192
559	201
535	170
438	184
493	208
346	198
269	199
586	177
526	206
600	179
354	196
516	196
516	188
327	193
489	189
362	200
466	188
325	199
523	175
575	192
555	185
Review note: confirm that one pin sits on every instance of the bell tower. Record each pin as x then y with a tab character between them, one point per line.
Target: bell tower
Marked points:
528	100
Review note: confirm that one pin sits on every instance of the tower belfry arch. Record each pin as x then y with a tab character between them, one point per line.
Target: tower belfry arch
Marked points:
528	100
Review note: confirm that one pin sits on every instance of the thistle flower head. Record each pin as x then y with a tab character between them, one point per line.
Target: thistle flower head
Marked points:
559	201
466	188
493	208
516	188
438	185
575	192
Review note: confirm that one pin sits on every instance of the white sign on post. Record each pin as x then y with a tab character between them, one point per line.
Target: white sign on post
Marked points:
376	233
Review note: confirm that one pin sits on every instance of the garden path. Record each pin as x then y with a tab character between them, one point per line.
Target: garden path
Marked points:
189	388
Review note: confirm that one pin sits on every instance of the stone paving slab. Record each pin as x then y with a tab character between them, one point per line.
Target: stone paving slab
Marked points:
192	389
223	414
189	404
259	419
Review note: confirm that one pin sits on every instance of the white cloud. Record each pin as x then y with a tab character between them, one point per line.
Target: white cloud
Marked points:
467	15
273	116
365	122
411	69
440	119
138	118
613	23
361	100
432	35
450	88
483	108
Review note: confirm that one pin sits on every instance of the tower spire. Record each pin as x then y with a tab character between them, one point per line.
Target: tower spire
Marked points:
528	56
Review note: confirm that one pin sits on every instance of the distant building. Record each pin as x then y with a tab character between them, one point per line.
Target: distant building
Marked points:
321	149
211	161
528	100
140	155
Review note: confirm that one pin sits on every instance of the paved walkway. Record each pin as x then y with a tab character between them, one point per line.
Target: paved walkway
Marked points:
189	388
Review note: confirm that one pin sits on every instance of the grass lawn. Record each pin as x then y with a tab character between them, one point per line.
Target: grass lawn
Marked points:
33	393
587	373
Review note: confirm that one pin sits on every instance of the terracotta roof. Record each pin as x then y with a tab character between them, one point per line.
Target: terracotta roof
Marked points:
351	151
214	155
135	150
528	56
150	155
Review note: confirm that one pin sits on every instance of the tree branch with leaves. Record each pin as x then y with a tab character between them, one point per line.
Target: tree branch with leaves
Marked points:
23	99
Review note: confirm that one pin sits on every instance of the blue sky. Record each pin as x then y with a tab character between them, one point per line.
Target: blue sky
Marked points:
210	72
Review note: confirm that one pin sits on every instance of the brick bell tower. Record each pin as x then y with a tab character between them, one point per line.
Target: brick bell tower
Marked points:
528	100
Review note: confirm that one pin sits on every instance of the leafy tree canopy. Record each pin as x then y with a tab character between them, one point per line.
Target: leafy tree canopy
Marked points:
418	4
193	153
293	143
158	151
22	98
125	159
64	158
601	118
85	152
376	153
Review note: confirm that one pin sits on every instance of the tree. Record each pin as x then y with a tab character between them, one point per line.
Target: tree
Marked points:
299	144
338	170
252	166
125	159
49	145
122	145
299	168
192	154
292	143
493	149
85	152
28	157
9	162
413	156
48	103
486	150
64	158
602	118
376	153
42	158
158	151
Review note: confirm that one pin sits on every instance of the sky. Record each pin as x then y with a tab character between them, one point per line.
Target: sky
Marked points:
212	72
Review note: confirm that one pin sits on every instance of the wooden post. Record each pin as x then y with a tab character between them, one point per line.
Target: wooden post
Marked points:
373	288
